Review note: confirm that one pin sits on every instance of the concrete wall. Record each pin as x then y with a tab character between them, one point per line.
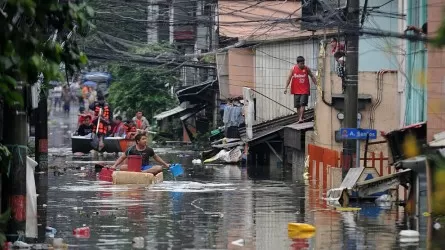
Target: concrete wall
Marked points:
232	14
235	70
436	72
241	70
222	62
386	115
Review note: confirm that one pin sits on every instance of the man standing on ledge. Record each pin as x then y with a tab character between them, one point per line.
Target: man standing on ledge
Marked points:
300	86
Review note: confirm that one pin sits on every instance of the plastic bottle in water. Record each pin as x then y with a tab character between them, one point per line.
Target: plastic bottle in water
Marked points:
82	232
138	242
50	232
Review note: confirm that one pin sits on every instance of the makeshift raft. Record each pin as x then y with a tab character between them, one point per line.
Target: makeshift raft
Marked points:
127	177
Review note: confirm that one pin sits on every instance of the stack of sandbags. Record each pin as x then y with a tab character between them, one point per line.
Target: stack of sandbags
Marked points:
125	177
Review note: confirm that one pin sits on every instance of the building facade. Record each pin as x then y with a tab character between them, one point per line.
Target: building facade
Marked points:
435	72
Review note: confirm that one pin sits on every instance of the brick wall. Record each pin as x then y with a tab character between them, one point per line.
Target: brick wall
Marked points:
436	72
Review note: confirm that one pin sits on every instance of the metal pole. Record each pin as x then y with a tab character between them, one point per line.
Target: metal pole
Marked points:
366	151
357	163
15	137
351	81
41	153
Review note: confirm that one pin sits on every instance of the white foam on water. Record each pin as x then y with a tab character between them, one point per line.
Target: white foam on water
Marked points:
94	188
89	162
166	186
190	186
119	203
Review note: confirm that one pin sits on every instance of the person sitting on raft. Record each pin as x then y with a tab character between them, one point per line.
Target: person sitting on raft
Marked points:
86	127
131	129
141	148
102	113
119	129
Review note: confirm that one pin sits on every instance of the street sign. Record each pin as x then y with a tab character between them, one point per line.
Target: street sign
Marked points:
357	133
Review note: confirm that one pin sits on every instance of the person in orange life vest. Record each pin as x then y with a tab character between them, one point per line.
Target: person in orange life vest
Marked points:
141	121
300	86
81	116
131	129
104	118
145	152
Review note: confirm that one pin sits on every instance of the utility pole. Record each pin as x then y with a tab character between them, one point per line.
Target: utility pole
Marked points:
15	137
41	154
351	82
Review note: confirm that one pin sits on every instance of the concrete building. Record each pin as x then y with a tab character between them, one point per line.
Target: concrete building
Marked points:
436	71
261	60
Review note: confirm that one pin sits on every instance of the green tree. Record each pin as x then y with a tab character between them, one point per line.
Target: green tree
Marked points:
141	88
25	47
26	50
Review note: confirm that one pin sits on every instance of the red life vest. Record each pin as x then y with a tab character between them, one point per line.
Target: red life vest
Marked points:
300	81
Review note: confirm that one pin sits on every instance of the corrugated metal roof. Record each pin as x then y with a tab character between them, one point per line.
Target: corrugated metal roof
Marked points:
170	112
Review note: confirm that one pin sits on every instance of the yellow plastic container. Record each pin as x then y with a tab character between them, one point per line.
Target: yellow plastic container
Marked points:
300	230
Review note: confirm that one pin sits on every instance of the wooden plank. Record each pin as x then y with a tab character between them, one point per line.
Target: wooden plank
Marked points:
228	145
380	184
352	177
274	151
301	126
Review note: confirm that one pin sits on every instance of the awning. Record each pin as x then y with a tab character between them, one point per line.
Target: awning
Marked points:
171	112
192	111
199	93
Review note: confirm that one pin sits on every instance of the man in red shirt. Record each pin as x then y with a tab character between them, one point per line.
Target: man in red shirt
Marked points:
300	86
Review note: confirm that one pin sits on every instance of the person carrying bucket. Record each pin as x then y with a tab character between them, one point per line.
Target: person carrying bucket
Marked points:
145	152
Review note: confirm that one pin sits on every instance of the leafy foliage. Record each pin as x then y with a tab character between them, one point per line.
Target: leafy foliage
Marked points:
439	40
154	49
4	218
5	157
209	59
26	49
138	88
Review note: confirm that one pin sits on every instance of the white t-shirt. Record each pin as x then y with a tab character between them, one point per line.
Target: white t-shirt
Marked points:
58	92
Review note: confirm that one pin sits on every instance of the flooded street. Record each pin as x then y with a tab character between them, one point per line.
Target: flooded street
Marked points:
211	207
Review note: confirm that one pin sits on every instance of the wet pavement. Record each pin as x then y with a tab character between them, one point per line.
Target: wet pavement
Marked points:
212	207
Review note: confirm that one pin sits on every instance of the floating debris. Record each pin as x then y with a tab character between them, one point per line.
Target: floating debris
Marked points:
347	209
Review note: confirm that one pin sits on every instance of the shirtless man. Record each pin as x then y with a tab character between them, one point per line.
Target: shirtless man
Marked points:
141	148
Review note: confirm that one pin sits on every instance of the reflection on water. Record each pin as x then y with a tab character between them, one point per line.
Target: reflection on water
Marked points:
213	207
